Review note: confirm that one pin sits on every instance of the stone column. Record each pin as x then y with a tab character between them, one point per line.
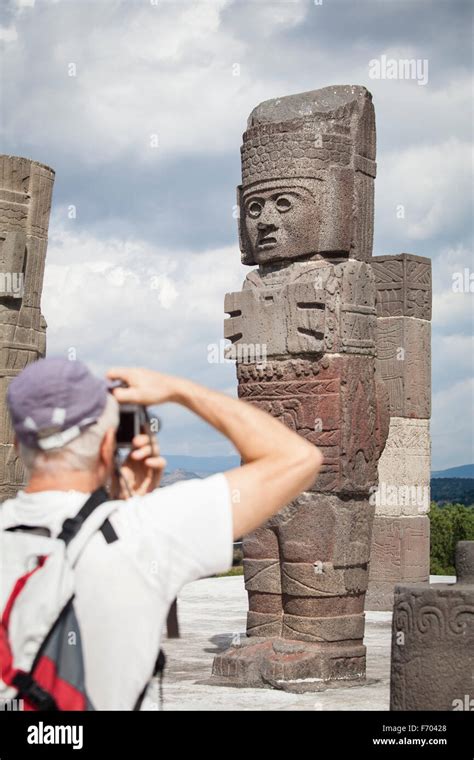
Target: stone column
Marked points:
25	202
432	664
401	535
303	336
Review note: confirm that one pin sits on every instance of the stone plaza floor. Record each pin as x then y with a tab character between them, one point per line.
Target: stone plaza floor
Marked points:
211	612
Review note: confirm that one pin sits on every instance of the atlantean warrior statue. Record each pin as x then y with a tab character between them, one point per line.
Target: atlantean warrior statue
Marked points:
25	202
309	313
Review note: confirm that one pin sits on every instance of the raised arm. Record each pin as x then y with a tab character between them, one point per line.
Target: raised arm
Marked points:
278	463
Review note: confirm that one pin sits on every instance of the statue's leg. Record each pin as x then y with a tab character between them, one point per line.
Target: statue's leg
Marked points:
263	582
324	548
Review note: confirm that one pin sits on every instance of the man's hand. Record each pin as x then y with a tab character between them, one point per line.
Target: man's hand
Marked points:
142	470
145	386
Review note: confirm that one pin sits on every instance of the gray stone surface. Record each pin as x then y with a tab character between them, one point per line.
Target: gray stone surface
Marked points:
25	202
405	469
404	364
400	552
317	307
315	153
432	664
403	285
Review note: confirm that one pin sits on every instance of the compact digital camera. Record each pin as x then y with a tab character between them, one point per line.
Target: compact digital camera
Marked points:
134	419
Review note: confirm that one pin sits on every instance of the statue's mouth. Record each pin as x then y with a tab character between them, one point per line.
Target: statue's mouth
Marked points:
269	241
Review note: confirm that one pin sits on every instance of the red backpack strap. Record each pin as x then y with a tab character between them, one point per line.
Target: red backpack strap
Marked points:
19	585
16	678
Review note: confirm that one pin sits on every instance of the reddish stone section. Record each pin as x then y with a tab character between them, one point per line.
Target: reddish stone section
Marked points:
399	549
331	403
306	570
289	665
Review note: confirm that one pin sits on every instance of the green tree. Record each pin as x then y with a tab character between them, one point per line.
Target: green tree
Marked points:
450	523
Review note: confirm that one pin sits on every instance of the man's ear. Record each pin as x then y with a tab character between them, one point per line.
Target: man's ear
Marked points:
107	448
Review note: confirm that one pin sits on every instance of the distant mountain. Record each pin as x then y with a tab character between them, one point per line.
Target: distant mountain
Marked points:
462	471
453	491
176	475
200	465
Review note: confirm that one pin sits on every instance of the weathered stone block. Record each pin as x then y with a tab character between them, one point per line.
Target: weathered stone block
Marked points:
312	307
405	469
25	203
13	472
400	552
264	623
325	528
312	563
404	365
403	286
342	628
294	666
331	403
433	644
262	575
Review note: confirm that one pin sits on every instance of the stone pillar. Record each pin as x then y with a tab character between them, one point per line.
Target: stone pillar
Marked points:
401	534
25	202
432	666
303	336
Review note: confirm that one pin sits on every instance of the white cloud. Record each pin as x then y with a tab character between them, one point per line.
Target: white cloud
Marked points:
128	303
8	33
136	296
432	183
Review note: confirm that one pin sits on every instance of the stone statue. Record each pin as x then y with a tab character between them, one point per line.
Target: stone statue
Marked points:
432	665
309	312
25	202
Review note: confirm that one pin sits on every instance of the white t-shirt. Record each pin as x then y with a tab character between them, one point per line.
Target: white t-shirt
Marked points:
124	589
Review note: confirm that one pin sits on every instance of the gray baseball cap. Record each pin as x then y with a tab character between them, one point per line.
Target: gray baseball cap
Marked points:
52	400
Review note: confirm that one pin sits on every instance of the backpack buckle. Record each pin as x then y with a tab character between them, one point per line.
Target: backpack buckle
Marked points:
29	689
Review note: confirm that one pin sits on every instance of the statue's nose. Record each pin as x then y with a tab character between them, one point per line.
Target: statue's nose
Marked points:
269	216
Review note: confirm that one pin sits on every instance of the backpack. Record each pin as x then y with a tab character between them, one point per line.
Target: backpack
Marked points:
41	658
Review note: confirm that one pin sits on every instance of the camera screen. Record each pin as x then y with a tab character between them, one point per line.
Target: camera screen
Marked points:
126	428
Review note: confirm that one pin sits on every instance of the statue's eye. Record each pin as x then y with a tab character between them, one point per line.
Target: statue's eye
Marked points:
254	209
283	203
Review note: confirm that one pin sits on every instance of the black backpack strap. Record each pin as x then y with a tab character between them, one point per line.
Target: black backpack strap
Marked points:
108	532
72	525
29	689
158	670
37	531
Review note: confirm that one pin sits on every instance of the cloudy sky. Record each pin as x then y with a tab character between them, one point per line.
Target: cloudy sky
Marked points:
140	105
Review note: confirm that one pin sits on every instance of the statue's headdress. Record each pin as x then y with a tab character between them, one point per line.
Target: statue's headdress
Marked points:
328	135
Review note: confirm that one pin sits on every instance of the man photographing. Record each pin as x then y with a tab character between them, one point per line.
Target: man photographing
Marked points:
147	547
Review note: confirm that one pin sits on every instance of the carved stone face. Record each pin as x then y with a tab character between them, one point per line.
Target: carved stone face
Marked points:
280	220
